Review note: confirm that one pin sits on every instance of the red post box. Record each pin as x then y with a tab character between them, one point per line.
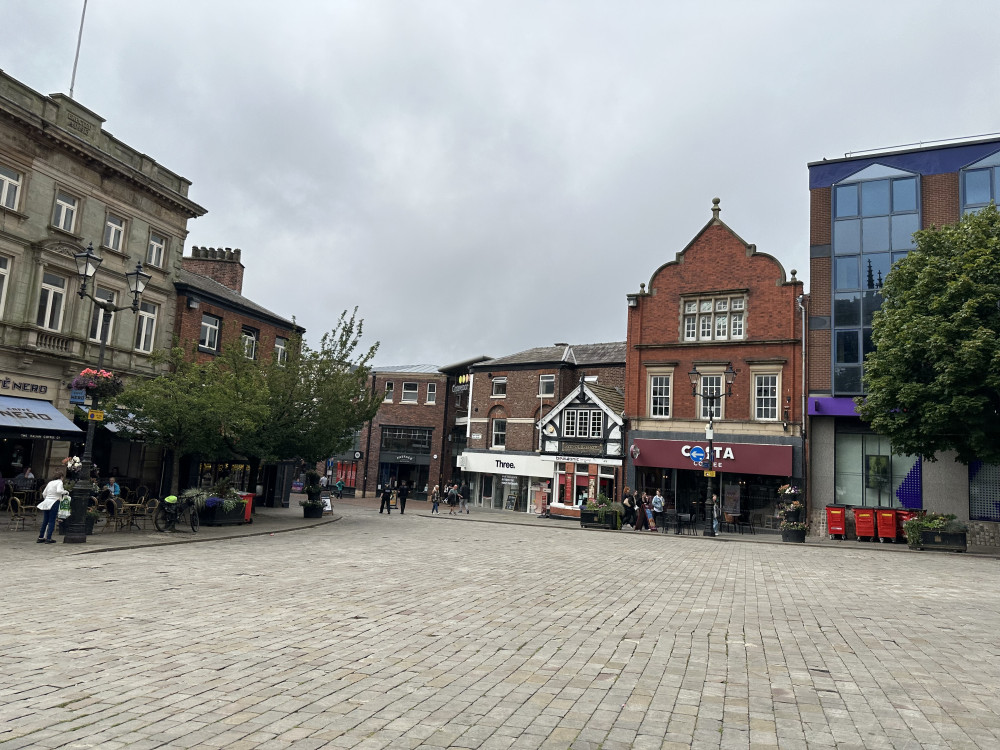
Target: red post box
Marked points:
836	521
886	521
864	523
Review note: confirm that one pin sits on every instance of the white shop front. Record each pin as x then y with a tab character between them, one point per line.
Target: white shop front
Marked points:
508	481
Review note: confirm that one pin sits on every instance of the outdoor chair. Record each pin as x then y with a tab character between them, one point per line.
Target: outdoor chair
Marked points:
686	524
16	522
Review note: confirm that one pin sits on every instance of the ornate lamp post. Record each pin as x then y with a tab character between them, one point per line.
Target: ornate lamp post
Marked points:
708	394
87	264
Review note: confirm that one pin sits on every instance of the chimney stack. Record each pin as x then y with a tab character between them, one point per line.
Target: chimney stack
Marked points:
221	264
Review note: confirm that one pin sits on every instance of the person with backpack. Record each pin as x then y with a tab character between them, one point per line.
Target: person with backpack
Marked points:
452	499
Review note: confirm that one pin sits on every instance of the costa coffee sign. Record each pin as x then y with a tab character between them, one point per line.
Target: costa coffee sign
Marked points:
738	458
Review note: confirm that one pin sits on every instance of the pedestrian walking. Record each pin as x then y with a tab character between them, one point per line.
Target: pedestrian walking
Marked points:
463	496
658	509
386	499
641	522
51	496
435	499
401	494
629	504
452	499
324	481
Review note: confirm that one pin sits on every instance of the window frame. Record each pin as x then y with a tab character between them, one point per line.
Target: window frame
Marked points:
499	381
411	394
49	291
145	326
547	380
431	393
110	229
390	388
10	186
498	422
250	338
713	316
651	374
5	263
161	246
281	349
98	315
61	208
716	404
203	342
755	377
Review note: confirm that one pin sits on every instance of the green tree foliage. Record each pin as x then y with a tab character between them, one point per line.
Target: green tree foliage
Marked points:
192	408
933	381
318	398
307	407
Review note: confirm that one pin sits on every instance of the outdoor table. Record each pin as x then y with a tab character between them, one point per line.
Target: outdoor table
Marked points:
129	510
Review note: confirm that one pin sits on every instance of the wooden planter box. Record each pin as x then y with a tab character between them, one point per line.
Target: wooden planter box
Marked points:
793	535
216	516
948	541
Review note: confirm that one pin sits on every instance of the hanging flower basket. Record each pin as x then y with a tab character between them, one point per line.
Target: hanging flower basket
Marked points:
99	384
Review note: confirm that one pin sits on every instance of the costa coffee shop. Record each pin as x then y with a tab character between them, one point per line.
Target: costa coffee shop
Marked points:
747	475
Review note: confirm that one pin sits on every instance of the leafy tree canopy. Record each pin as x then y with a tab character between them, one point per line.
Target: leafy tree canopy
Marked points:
933	381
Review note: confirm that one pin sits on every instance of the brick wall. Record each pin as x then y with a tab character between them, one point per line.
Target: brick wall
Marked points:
399	414
939	198
820	213
188	329
716	261
222	265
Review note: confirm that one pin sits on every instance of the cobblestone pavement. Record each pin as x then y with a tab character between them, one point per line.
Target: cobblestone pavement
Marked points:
419	632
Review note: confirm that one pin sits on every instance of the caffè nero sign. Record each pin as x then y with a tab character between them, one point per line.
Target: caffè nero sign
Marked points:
22	387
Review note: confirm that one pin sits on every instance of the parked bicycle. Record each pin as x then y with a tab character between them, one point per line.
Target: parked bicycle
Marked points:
173	511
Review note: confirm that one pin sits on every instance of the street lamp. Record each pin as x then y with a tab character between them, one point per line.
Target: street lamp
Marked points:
708	394
87	264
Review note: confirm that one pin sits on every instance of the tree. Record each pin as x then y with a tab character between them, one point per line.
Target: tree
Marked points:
933	381
317	399
192	408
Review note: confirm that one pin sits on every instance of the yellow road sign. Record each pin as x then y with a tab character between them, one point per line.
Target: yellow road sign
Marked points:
709	473
95	415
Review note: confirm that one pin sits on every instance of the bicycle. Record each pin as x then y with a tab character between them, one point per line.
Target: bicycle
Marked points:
166	519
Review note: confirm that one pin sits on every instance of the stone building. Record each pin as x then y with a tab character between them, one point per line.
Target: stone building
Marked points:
65	183
863	213
720	302
508	397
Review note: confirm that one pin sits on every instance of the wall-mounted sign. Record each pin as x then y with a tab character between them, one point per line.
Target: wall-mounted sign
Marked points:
77	396
476	436
23	386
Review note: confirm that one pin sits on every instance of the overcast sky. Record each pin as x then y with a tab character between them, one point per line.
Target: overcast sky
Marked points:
485	177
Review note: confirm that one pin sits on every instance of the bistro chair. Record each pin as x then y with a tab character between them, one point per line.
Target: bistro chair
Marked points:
8	493
16	522
686	524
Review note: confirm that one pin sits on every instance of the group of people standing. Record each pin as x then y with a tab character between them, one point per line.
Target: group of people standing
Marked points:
456	497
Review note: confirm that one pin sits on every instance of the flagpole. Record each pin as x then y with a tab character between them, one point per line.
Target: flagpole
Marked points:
76	57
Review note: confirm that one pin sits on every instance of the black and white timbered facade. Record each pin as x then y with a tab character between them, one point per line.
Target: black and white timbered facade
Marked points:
584	435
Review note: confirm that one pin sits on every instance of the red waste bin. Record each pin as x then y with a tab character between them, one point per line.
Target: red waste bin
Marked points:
836	521
864	523
886	520
902	516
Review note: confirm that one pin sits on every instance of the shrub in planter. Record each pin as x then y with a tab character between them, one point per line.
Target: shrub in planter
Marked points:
935	530
793	531
312	506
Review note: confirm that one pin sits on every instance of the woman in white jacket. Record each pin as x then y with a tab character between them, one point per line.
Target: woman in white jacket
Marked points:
51	496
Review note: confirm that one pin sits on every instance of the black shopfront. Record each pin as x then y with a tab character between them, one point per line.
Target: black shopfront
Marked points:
405	456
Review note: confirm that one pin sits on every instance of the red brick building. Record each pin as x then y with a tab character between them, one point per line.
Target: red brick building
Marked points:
719	302
403	443
508	396
213	314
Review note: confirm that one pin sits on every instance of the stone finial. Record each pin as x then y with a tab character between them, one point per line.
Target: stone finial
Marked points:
642	288
793	274
715	208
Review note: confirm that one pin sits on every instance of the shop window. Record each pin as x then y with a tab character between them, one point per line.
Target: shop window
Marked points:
866	473
407	439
